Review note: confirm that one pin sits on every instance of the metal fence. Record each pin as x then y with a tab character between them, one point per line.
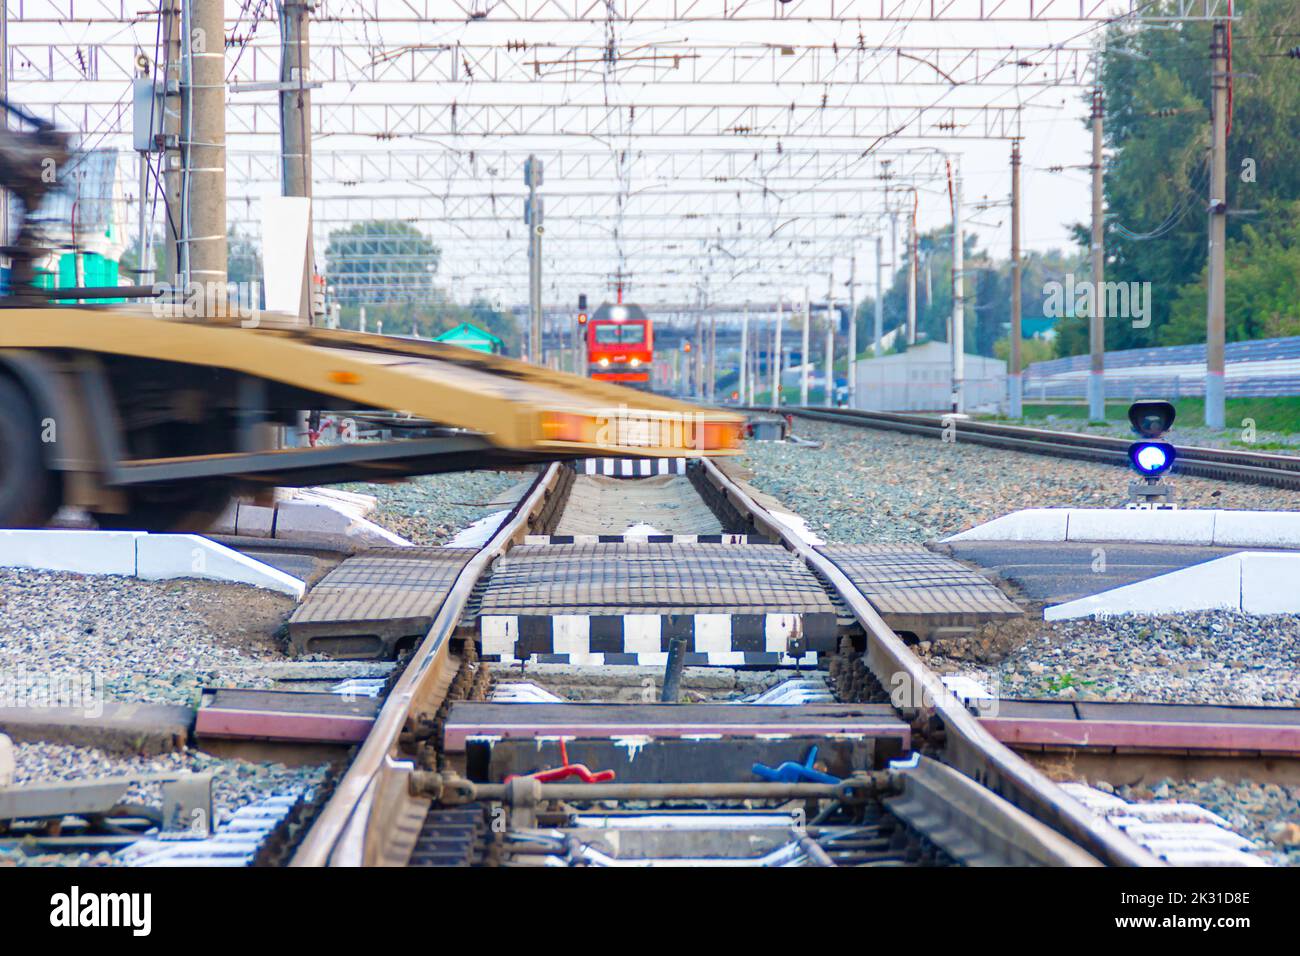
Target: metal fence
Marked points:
1260	367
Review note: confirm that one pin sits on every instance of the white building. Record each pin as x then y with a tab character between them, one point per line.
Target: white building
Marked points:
920	380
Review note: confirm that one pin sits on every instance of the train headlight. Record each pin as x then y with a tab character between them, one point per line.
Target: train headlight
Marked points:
1152	459
634	362
604	363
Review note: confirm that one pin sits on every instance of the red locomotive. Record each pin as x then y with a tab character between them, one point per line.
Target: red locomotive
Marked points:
620	345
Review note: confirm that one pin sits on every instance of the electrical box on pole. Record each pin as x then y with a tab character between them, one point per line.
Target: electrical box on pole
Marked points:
148	107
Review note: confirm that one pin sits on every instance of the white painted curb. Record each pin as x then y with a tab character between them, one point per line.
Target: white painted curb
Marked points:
151	557
1254	582
1031	524
1231	529
1155	527
8	763
164	556
323	516
80	552
324	522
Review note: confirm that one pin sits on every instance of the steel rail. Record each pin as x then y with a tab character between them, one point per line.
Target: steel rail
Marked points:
968	747
338	837
375	811
1279	471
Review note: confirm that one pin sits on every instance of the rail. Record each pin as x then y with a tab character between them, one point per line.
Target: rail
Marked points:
1280	471
968	746
339	835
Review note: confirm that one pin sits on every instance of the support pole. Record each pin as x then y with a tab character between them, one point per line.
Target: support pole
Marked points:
911	272
170	170
699	354
805	362
829	398
853	330
1097	310
4	95
144	268
295	127
776	357
878	331
744	357
1215	317
206	179
713	357
958	300
533	179
893	245
1014	386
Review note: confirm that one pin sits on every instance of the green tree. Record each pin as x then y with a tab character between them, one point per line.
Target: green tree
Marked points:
1157	94
1262	293
988	289
244	257
1031	350
379	261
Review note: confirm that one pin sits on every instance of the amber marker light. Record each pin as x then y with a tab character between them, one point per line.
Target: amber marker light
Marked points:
565	426
718	435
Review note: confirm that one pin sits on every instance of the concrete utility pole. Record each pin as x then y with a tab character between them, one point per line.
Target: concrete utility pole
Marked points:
699	354
958	336
893	254
806	358
1015	393
144	268
776	357
893	245
4	94
1215	318
744	356
830	338
911	274
853	330
878	332
295	126
172	177
533	216
205	239
713	355
1097	312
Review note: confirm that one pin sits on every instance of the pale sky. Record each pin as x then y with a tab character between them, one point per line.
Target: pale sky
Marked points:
1051	122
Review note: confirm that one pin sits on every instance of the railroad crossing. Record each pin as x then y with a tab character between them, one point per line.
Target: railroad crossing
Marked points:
329	538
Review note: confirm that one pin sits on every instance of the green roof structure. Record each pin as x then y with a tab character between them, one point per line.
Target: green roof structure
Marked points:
472	337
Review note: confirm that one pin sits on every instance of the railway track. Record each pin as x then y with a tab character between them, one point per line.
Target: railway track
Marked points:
1260	468
905	774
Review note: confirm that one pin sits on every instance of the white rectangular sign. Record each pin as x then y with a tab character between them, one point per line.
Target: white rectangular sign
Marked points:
284	251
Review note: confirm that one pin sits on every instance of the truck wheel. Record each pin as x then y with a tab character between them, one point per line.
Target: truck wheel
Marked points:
29	492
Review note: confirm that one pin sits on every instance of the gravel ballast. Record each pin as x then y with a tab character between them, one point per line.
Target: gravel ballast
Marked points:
1206	657
429	510
236	783
1267	814
126	640
864	486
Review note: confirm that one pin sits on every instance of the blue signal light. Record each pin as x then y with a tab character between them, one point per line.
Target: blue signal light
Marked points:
1151	458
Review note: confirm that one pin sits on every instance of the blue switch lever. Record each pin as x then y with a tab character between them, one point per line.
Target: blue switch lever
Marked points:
791	772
